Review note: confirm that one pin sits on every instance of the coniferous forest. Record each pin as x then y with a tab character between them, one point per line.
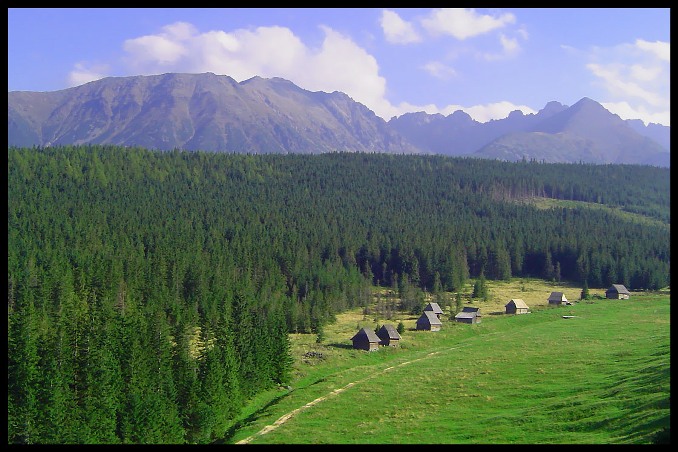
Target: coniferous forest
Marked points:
150	294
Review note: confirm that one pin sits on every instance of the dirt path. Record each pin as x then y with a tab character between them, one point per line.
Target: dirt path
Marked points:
286	417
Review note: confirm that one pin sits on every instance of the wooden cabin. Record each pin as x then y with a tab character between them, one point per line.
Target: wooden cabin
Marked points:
516	306
435	308
468	314
366	339
557	298
617	292
429	321
388	335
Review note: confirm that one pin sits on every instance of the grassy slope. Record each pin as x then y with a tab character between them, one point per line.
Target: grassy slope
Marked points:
548	203
601	377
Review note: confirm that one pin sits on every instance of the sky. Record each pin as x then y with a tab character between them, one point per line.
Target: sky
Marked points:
486	62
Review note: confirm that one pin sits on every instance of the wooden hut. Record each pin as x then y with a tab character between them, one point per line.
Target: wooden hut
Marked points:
435	308
429	321
366	339
557	298
516	306
468	315
617	292
388	335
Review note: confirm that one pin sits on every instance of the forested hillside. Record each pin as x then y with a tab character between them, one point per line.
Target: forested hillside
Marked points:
151	293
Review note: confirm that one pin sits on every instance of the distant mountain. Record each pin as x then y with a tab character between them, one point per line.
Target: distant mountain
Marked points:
659	133
458	134
585	132
215	113
199	111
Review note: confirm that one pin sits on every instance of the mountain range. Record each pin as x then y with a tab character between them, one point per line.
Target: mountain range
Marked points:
215	113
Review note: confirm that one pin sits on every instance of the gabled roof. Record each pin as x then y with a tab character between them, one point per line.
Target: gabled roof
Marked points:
619	288
430	318
471	309
388	331
466	315
518	303
433	307
557	296
371	335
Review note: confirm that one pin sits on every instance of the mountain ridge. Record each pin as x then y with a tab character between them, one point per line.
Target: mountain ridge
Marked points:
273	115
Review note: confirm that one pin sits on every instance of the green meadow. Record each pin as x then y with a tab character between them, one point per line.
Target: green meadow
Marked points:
599	375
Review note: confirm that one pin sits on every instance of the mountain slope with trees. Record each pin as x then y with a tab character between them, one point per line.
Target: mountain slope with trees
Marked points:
151	293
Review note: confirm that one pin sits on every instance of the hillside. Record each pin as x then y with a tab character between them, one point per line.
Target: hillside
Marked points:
585	132
151	294
483	379
217	114
199	112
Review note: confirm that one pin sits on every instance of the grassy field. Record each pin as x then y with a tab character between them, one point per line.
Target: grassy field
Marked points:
599	377
548	203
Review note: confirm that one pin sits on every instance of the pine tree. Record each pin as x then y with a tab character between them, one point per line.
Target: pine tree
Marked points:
480	289
585	292
458	303
22	372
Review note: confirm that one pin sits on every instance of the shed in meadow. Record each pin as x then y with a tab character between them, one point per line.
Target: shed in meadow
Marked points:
429	321
557	298
435	308
617	292
516	306
388	335
468	315
366	339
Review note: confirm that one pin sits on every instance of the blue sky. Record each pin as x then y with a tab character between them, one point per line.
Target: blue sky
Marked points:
486	62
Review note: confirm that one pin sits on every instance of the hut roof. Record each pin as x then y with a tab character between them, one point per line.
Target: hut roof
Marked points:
471	309
371	335
433	307
388	331
465	315
619	288
557	296
518	303
430	317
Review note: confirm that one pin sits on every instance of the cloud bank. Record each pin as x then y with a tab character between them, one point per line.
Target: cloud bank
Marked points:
633	76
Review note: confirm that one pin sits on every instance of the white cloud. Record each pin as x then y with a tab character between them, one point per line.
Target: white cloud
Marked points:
338	65
625	111
82	74
510	47
396	30
618	84
661	49
163	49
523	33
635	78
341	65
644	74
495	110
481	113
439	70
463	23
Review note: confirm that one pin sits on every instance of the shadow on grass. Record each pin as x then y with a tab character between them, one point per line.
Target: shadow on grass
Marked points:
228	435
338	345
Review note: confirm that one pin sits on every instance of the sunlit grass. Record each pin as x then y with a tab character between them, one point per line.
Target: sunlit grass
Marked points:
548	203
600	377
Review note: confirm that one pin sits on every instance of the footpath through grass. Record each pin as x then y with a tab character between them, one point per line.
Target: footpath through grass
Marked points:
599	377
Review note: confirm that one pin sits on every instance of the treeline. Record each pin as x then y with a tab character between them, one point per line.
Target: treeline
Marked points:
150	294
